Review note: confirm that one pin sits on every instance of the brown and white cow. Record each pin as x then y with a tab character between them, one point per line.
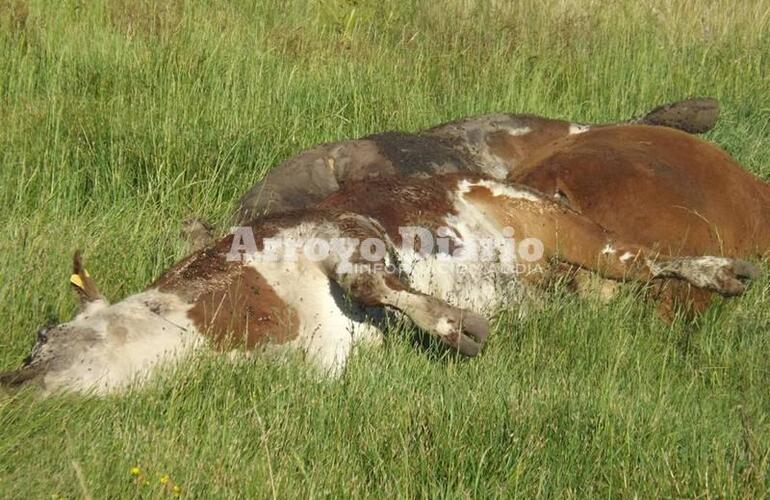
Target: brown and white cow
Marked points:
495	239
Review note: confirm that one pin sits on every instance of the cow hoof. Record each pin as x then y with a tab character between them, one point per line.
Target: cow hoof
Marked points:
723	275
745	271
465	332
695	116
732	277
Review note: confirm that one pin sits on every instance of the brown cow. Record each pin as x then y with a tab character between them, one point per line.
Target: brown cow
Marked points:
662	188
493	144
285	280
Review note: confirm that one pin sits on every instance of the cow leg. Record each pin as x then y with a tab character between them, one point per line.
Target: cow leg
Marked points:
588	285
591	247
371	285
567	236
571	237
463	330
687	284
676	297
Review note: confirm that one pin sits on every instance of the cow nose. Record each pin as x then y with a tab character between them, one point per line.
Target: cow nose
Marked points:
16	378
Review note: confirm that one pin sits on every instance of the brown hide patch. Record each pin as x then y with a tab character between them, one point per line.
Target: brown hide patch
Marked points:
396	202
564	234
659	187
232	303
201	271
245	313
679	297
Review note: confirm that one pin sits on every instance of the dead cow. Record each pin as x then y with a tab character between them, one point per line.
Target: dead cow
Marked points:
655	185
269	295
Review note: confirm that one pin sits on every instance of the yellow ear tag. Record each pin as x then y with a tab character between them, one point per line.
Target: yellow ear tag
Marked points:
76	280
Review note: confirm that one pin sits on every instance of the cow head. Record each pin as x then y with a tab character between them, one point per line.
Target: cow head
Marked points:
58	347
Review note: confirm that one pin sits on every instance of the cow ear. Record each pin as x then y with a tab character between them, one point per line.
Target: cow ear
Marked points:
84	285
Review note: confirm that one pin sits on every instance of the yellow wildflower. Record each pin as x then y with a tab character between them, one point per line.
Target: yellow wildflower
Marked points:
135	471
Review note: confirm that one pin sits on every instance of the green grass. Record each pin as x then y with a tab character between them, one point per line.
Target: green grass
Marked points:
120	118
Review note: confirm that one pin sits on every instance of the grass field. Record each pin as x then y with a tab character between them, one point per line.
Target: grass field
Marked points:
120	118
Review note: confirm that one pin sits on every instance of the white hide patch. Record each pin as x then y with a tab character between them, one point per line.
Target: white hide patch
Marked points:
496	170
482	286
444	327
498	189
703	272
517	132
325	333
578	128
